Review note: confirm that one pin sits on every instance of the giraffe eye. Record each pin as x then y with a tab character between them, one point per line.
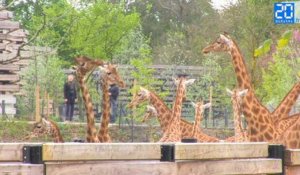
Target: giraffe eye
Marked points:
108	73
139	95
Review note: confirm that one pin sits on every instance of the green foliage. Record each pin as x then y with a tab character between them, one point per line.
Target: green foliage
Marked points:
285	39
263	49
101	28
277	80
48	74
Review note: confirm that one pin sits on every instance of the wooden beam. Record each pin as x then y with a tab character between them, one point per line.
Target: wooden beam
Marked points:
10	67
192	151
21	169
9	77
9	87
234	166
215	167
9	25
11	152
102	151
292	157
9	99
6	14
9	111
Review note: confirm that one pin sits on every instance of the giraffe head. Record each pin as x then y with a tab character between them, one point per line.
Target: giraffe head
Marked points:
200	107
237	96
85	65
111	74
141	96
150	112
183	82
42	128
222	44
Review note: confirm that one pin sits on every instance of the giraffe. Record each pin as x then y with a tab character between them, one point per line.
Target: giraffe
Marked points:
47	127
236	98
291	136
197	132
109	76
199	109
164	115
83	67
173	133
260	124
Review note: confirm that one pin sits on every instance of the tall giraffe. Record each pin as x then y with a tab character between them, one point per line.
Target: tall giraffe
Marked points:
260	124
83	67
173	133
237	98
47	127
109	76
164	115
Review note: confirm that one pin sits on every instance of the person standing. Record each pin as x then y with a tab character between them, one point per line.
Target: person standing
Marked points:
114	93
70	97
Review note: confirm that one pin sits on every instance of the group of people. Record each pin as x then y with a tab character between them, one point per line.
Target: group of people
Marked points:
70	97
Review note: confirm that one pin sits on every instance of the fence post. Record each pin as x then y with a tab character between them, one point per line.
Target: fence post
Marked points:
277	151
37	104
3	107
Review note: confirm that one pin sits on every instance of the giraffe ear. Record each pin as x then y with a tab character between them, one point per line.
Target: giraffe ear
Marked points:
243	92
144	91
189	82
229	92
193	104
226	39
207	105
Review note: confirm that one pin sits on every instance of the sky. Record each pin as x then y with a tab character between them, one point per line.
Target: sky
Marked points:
219	3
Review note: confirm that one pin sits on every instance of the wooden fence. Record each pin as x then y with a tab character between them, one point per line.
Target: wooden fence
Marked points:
138	158
7	105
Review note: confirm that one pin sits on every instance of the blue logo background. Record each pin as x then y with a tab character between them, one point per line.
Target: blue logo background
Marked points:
284	13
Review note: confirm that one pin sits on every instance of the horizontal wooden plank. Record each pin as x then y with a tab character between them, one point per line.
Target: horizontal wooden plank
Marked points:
9	99
9	24
21	169
11	152
9	87
103	151
9	77
215	167
10	111
197	151
6	14
292	157
235	166
10	67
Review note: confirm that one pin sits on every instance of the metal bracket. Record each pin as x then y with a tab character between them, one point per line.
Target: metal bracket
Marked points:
167	153
32	154
277	151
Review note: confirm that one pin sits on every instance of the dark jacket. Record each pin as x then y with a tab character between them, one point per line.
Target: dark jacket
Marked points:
70	92
114	91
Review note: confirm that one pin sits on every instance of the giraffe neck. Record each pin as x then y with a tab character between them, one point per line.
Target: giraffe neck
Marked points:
103	132
238	129
198	116
260	125
57	137
285	106
173	133
91	130
163	112
242	75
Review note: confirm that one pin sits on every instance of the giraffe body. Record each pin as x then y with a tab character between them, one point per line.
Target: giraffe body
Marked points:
260	124
47	127
164	115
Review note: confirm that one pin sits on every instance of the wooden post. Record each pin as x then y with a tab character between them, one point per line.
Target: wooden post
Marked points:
48	106
37	104
3	107
210	101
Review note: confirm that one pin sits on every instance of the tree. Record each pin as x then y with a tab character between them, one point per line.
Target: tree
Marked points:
101	28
